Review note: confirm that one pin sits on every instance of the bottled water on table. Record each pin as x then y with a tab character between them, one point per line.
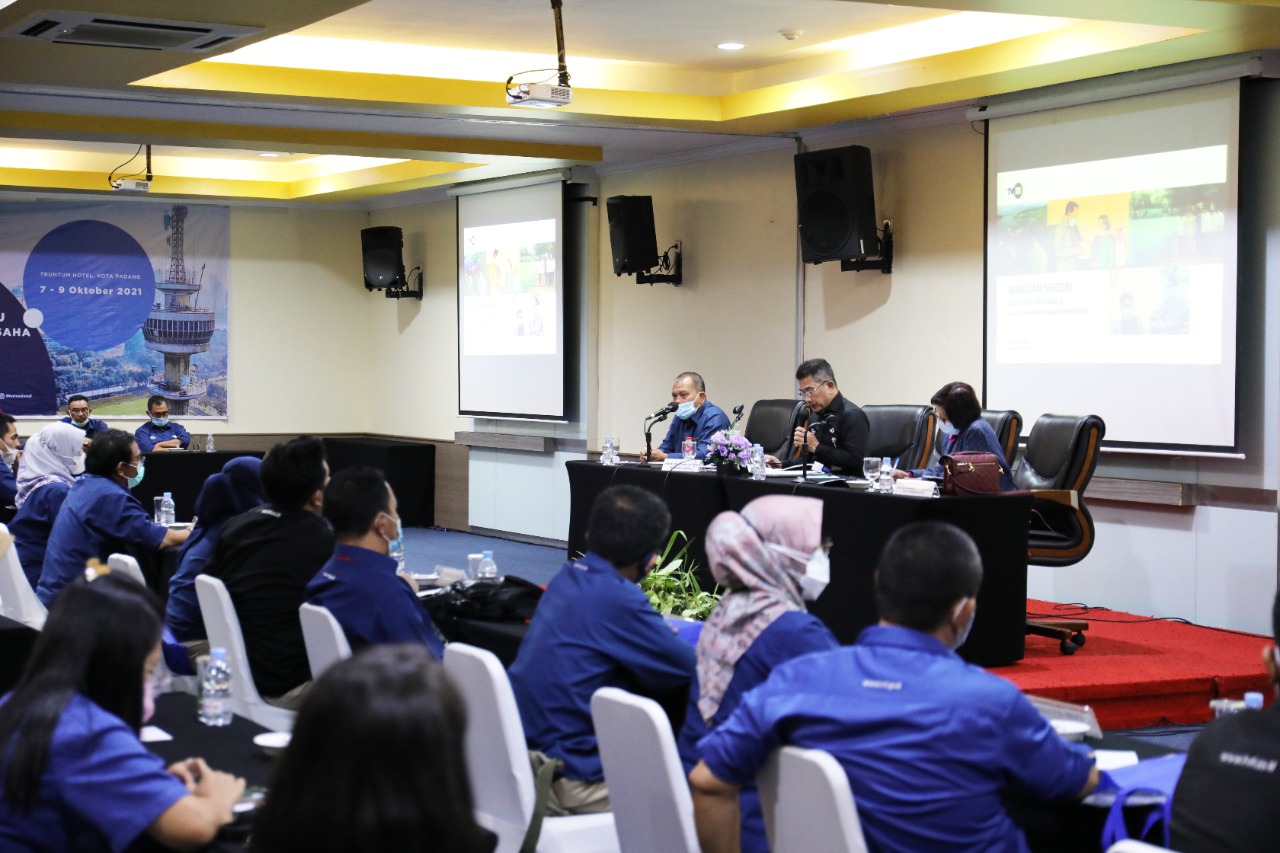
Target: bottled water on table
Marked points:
689	448
396	552
208	443
167	511
488	568
886	474
757	462
607	454
215	689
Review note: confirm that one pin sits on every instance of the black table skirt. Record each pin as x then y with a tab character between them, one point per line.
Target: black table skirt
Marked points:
183	474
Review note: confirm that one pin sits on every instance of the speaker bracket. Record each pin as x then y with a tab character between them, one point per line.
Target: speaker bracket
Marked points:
407	291
672	259
884	263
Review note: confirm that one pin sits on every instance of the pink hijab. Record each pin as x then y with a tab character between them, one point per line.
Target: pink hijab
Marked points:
761	584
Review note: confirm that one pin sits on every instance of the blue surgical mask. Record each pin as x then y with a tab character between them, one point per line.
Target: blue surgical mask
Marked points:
160	422
395	546
685	410
948	428
136	479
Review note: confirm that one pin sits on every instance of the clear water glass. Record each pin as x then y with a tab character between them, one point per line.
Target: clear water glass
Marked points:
871	470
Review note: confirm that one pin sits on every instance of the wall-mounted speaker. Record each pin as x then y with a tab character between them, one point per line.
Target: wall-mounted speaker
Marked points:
633	241
383	259
836	204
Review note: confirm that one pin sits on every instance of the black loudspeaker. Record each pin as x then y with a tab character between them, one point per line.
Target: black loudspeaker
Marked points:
836	204
383	261
631	236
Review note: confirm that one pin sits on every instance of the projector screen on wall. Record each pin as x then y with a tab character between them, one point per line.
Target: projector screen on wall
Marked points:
511	303
1111	266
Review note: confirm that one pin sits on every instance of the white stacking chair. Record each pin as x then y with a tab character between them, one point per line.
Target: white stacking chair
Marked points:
326	641
1132	846
17	599
126	565
652	805
223	627
501	778
807	804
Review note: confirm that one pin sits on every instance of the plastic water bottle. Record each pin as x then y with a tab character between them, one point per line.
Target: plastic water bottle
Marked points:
215	689
886	474
757	462
208	442
606	455
688	449
488	568
167	511
396	552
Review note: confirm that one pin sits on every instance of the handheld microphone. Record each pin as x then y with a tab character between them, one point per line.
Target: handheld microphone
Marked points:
665	410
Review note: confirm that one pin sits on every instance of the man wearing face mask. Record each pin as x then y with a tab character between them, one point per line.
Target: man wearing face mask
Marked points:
696	416
594	628
931	745
161	434
100	517
359	584
9	454
78	411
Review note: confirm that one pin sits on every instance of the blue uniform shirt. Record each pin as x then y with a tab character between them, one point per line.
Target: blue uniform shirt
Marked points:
706	422
100	790
593	628
149	435
8	485
182	609
930	744
360	588
91	429
31	526
98	518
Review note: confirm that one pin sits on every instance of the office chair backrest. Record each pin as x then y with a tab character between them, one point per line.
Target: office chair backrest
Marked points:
1061	453
1007	425
904	433
767	426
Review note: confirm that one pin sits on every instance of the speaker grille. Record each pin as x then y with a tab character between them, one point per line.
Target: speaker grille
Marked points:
826	222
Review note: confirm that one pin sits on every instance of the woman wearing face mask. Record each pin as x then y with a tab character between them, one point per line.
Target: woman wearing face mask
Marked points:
960	418
100	517
769	559
74	774
52	461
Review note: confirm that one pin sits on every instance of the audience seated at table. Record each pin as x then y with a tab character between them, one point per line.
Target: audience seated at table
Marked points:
234	490
758	558
932	746
78	412
359	584
960	418
1229	788
594	628
75	775
266	556
100	517
160	434
53	459
376	763
9	455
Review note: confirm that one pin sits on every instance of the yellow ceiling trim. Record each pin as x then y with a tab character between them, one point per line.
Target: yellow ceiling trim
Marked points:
378	177
96	182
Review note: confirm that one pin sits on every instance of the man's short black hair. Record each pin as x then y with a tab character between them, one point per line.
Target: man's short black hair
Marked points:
353	499
5	420
960	402
155	400
695	379
817	369
110	448
75	397
292	472
627	523
924	569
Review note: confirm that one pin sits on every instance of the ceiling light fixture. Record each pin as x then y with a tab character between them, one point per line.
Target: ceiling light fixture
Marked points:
730	45
544	94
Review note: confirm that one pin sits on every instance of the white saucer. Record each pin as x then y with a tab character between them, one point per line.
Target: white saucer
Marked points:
272	743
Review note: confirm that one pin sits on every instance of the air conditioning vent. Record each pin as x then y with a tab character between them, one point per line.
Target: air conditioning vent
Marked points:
100	30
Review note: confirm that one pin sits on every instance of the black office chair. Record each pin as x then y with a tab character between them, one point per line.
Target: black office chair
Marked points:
1007	425
767	426
1056	466
904	433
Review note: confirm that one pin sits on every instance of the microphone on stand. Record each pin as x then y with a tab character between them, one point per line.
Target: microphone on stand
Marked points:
737	415
656	417
664	411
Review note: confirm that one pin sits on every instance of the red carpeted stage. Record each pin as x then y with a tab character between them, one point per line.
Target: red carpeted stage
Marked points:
1134	671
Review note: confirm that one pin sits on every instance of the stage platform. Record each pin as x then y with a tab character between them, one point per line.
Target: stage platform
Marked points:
1138	671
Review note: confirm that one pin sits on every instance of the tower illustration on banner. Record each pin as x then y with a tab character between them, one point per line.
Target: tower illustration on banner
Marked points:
177	326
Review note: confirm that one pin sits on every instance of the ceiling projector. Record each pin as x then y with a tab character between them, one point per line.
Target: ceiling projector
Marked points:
542	95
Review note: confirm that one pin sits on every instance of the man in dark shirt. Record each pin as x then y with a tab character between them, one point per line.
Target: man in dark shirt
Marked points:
266	556
826	427
1226	798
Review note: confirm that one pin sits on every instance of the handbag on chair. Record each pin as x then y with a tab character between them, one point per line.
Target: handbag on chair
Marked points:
970	472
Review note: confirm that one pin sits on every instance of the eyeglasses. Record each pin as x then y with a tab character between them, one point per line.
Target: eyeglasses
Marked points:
806	393
79	410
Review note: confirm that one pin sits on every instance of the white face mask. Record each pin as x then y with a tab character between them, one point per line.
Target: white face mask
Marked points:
77	466
8	454
962	634
947	428
817	569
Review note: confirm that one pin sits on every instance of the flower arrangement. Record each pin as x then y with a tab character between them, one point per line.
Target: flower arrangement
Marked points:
729	451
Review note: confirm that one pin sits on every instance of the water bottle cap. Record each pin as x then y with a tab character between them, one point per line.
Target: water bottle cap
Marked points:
168	494
1253	699
488	555
218	653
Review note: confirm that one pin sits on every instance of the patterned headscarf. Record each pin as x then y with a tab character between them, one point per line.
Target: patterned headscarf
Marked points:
49	457
761	583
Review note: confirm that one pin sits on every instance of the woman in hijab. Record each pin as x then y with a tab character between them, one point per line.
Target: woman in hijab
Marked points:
761	557
53	459
237	489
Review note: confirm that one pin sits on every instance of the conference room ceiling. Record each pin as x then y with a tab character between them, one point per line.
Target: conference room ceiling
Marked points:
335	101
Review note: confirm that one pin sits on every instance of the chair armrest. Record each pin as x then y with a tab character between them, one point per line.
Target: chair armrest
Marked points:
1065	497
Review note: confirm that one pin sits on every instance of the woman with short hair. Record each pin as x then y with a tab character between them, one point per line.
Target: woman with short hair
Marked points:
963	429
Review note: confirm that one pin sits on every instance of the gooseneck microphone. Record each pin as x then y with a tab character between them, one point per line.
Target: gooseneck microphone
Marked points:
665	410
737	415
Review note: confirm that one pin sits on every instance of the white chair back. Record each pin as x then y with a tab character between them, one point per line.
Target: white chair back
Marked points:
1131	846
326	641
807	804
223	627
644	774
126	565
17	599
501	778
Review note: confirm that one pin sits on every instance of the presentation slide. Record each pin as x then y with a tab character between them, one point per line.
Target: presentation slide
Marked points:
1111	279
510	304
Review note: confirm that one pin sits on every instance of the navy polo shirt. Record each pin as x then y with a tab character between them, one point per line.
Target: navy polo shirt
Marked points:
32	525
149	435
371	603
99	517
92	428
708	420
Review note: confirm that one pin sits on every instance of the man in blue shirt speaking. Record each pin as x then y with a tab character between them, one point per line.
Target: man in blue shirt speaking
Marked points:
696	417
594	628
931	745
359	584
159	433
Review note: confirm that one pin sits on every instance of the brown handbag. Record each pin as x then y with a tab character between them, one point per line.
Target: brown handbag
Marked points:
970	472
